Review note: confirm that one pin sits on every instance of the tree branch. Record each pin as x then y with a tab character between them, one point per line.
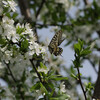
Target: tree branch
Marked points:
96	93
84	92
46	25
86	2
25	10
24	7
38	11
31	60
10	73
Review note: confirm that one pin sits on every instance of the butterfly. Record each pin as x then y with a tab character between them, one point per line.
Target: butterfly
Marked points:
55	42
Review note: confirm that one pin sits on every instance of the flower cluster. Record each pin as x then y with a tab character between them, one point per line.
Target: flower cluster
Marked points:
18	42
11	4
66	3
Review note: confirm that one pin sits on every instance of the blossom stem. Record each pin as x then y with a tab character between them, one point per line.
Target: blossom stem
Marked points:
11	73
31	60
79	79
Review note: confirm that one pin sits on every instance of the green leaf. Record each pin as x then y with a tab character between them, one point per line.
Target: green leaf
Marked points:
89	86
42	65
85	52
15	15
80	42
35	87
20	30
57	78
77	48
74	76
2	42
76	63
24	45
23	78
43	89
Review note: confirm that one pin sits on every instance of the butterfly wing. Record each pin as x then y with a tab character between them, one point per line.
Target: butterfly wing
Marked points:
60	39
58	51
55	42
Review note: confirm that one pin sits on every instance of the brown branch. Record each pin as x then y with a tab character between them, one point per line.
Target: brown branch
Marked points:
37	14
79	79
25	11
96	93
10	73
46	25
31	60
24	7
86	2
40	7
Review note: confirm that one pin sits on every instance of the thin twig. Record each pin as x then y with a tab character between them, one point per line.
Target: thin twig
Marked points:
40	7
31	60
86	2
37	14
10	72
96	94
46	25
84	92
25	10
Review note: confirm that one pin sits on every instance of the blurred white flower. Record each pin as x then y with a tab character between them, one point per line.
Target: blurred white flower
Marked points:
19	25
45	70
95	99
1	11
7	56
92	45
54	28
6	20
9	29
7	25
11	4
62	88
19	63
1	65
13	36
1	30
66	3
36	48
35	74
37	94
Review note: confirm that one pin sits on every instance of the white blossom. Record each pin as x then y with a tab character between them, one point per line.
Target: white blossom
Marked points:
36	48
1	65
62	88
45	70
19	25
7	56
66	3
6	20
13	36
11	4
1	11
9	29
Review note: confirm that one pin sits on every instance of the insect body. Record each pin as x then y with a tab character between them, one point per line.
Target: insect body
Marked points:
54	44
